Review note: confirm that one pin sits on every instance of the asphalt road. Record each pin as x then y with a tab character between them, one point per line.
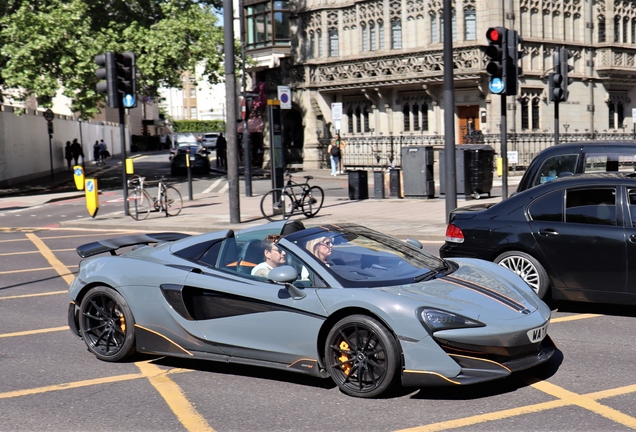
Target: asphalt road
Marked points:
50	382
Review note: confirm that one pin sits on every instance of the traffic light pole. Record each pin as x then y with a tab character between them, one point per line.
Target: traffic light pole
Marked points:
504	149
122	140
556	122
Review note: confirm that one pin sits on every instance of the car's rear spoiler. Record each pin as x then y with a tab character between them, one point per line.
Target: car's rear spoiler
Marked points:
111	245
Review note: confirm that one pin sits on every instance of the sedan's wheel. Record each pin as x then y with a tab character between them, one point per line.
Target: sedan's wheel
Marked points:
526	266
107	324
361	356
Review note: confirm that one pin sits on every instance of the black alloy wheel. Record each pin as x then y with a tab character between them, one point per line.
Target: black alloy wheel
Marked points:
362	356
107	324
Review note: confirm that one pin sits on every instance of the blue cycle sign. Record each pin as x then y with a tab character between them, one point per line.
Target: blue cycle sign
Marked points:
496	85
129	101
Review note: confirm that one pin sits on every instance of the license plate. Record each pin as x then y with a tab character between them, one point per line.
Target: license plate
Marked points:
538	334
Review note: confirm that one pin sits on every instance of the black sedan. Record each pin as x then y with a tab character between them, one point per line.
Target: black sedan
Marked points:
199	160
574	237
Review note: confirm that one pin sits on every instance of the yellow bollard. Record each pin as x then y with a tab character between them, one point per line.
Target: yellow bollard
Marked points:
129	166
78	175
92	197
499	166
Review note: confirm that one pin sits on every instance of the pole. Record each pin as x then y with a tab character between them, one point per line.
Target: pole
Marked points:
122	140
247	155
556	122
51	153
449	112
504	149
230	125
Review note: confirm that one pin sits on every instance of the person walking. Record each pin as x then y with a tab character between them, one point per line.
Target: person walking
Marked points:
68	154
76	149
221	151
96	156
103	151
335	154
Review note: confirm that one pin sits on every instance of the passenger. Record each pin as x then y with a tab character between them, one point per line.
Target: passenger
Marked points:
274	257
321	247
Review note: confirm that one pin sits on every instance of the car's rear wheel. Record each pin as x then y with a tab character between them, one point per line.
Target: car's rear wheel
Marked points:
361	355
526	266
107	324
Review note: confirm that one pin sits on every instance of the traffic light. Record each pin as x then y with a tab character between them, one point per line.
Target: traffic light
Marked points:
107	78
555	79
127	78
497	66
513	72
564	56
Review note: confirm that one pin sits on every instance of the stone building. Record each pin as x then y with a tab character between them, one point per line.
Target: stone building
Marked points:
383	60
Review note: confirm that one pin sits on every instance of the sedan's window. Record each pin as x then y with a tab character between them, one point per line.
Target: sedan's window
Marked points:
591	206
632	206
609	162
555	167
548	208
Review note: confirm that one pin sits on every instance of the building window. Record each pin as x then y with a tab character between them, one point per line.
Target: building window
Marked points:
617	29
470	24
319	37
358	120
193	92
267	24
350	119
396	34
620	115
365	37
372	37
453	26
407	117
416	117
433	28
193	112
535	114
601	29
634	30
612	114
525	117
425	116
530	113
365	119
311	45
333	42
381	34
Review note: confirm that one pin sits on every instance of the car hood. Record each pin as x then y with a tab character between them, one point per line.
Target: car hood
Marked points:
476	287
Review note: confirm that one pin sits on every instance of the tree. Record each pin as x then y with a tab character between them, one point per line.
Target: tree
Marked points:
49	45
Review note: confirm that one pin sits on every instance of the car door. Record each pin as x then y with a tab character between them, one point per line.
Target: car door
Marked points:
630	223
586	246
250	317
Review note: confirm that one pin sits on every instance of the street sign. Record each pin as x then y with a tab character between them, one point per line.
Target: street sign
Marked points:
129	101
48	115
496	85
284	96
243	109
336	110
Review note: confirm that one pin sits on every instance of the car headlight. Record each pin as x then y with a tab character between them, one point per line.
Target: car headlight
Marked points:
436	319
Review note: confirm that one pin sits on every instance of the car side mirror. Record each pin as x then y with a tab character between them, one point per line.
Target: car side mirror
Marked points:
415	243
286	275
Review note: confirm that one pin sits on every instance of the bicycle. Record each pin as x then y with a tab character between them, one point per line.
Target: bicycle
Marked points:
282	203
168	199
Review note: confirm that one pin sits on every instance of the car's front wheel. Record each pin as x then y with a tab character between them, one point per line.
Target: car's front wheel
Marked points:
362	356
526	266
107	324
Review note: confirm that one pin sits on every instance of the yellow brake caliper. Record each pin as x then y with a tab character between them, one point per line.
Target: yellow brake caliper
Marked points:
122	323
344	357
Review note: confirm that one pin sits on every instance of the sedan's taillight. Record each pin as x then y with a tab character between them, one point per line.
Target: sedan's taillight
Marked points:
454	234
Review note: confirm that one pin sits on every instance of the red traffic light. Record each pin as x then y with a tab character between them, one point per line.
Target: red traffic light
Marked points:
495	35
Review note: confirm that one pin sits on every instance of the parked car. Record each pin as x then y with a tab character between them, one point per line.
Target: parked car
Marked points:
579	157
199	158
573	238
209	140
367	310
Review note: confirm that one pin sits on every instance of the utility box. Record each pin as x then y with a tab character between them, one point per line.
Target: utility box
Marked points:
378	185
358	185
473	169
417	167
395	183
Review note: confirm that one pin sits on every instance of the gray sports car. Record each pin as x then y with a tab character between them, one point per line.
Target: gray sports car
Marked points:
346	302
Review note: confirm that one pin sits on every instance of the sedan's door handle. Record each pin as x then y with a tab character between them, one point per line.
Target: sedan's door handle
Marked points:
548	232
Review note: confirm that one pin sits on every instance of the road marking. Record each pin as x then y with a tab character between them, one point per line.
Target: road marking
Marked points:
574	318
225	187
60	268
212	186
32	252
174	397
33	332
33	295
27	270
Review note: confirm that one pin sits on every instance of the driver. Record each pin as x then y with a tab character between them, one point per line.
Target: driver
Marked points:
274	257
321	247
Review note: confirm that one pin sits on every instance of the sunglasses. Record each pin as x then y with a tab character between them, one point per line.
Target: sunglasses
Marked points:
328	244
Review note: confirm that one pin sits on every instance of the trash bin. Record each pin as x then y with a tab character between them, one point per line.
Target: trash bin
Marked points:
378	185
358	185
417	167
473	169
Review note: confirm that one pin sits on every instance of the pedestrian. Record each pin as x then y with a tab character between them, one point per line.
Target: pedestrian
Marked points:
103	151
221	151
335	154
68	154
96	156
162	141
77	150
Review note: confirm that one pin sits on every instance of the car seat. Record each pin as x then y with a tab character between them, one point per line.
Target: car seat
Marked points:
251	255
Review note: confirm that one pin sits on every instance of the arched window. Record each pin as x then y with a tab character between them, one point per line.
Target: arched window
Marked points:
433	28
453	26
535	114
625	29
416	117
373	42
407	117
365	119
350	119
617	28
364	36
470	24
634	30
319	41
333	42
381	34
601	29
311	45
396	34
358	120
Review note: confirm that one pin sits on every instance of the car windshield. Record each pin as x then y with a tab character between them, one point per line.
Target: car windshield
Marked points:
361	257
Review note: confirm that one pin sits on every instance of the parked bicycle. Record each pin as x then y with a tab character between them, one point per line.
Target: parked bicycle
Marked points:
168	199
282	203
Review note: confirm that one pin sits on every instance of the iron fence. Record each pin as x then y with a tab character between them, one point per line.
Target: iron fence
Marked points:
382	151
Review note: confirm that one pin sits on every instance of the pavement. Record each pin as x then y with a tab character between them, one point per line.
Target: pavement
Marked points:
422	219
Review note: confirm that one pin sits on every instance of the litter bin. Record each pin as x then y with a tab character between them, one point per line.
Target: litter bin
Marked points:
358	185
473	169
417	167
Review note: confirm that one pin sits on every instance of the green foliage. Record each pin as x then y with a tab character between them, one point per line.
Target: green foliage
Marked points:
49	46
197	126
